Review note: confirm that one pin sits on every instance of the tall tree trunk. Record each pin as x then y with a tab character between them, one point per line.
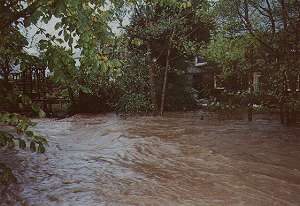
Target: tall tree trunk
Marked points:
163	93
286	99
152	79
250	104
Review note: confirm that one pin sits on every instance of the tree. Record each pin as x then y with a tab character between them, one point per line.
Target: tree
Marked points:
82	25
82	31
12	11
11	50
168	31
272	26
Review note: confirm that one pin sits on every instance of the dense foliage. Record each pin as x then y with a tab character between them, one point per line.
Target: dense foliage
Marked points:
259	36
168	34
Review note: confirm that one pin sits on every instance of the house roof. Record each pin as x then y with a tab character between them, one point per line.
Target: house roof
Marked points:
197	65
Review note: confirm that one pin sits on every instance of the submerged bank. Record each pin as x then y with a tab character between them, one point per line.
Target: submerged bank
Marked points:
179	159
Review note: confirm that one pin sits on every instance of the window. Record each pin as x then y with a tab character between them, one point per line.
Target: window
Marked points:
256	81
219	82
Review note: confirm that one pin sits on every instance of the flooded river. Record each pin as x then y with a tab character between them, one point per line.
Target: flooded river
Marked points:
176	160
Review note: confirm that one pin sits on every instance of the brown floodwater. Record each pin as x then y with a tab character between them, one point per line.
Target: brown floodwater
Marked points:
179	159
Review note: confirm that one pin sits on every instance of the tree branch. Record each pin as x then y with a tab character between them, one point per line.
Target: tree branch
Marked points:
12	17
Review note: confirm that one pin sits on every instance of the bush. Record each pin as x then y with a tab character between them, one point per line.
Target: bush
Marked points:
134	103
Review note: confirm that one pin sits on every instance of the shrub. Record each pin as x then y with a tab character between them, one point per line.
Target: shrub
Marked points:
134	103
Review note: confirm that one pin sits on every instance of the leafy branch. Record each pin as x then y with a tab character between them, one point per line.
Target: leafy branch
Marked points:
25	135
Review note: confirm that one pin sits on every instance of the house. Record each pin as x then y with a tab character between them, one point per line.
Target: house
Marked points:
202	76
34	82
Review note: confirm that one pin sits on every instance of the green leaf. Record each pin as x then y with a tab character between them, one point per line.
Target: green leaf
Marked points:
59	40
57	26
41	148
42	114
38	111
85	90
60	32
66	36
3	139
32	146
11	143
22	144
29	133
70	43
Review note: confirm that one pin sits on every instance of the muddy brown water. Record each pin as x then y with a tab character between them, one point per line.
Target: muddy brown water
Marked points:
176	160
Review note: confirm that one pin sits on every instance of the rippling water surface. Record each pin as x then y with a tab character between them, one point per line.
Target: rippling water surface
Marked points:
176	160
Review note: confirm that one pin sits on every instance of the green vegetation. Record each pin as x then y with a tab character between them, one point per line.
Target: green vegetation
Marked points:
22	125
260	36
142	69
